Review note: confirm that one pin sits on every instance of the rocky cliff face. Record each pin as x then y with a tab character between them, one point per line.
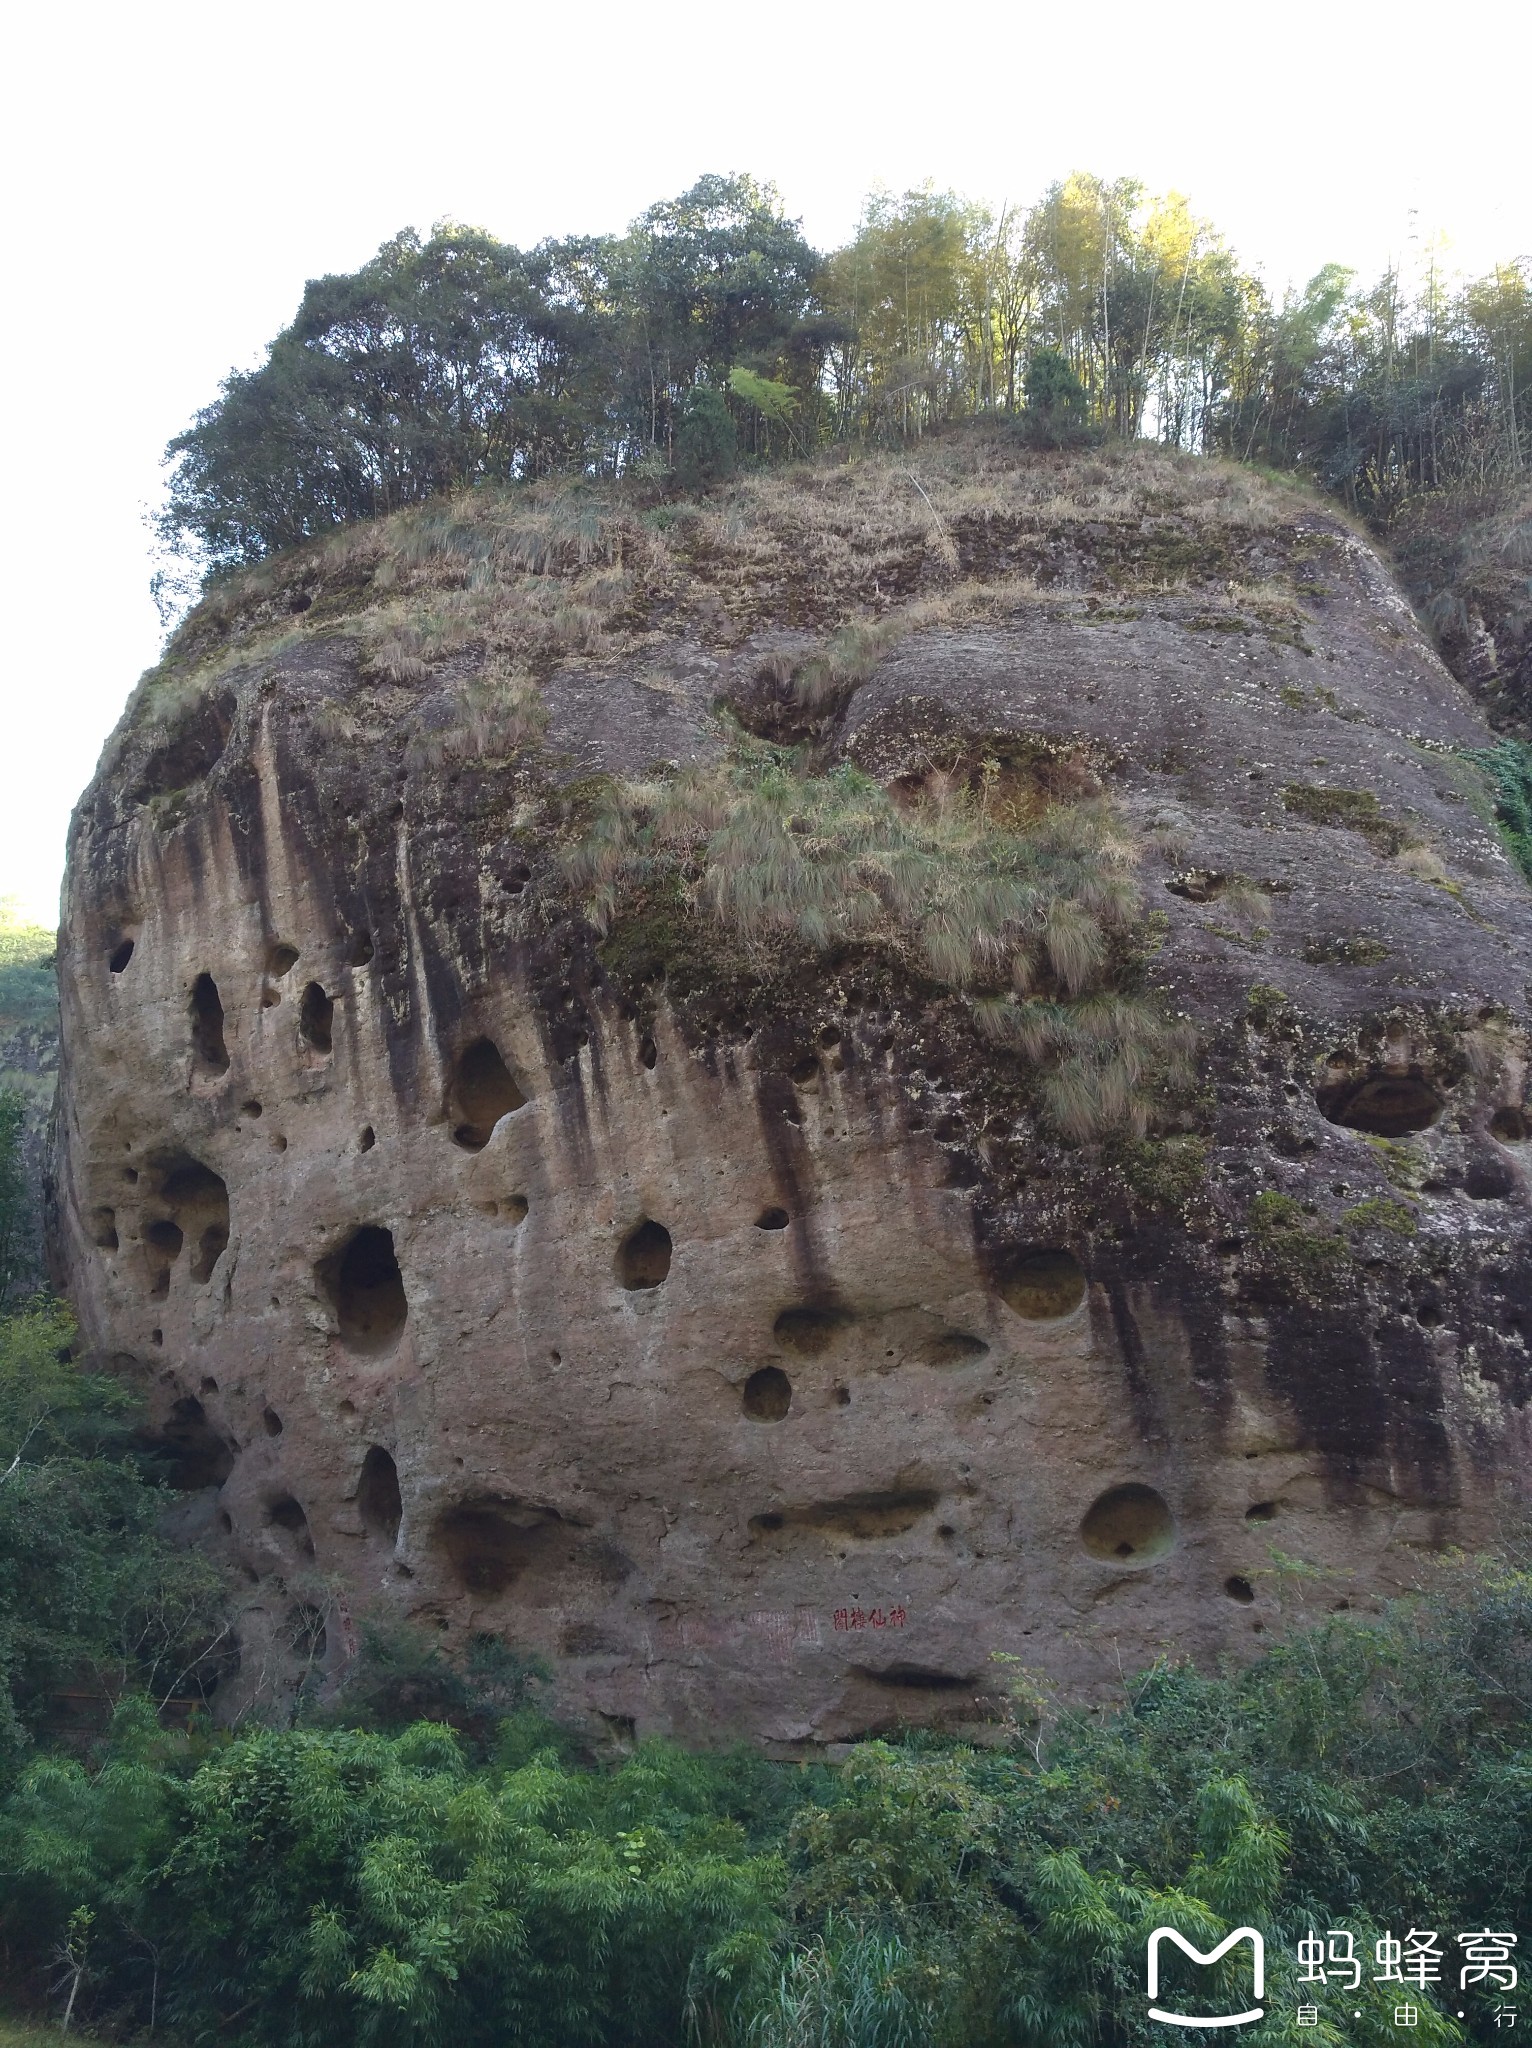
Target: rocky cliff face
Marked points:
736	1329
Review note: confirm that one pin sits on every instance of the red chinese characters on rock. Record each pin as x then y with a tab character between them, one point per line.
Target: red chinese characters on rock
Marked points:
860	1617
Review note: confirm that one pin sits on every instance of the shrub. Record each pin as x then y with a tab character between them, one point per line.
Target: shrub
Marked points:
707	448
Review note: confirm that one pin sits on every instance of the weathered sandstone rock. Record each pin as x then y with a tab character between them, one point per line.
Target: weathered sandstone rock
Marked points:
754	1353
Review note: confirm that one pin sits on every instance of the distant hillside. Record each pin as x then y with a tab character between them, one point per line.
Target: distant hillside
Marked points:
28	1051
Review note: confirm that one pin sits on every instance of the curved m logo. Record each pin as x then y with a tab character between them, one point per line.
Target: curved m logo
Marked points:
1213	1955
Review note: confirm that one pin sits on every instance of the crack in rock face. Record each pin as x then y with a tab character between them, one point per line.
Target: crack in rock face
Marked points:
731	1319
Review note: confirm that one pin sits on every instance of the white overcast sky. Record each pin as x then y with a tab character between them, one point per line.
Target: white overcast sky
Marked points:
174	172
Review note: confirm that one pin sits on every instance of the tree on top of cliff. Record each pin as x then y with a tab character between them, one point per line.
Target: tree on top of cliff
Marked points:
459	359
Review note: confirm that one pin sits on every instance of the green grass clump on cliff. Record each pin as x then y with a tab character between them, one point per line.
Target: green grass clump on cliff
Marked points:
1509	765
1030	920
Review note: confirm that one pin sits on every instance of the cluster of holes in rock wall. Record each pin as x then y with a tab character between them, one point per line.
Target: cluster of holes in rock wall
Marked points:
205	1012
366	1290
190	1203
483	1091
643	1257
378	1500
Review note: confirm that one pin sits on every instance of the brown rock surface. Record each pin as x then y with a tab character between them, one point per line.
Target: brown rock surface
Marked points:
754	1352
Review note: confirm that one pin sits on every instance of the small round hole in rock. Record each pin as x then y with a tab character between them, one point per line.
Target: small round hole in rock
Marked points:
226	1522
367	1290
648	1052
768	1394
120	956
1128	1525
271	1422
772	1219
1428	1315
316	1019
359	952
1239	1589
1511	1126
367	1140
103	1229
209	1385
1262	1511
1042	1286
278	1142
281	958
643	1258
251	1108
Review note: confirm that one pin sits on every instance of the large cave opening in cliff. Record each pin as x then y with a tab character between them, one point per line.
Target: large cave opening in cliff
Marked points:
490	1542
1042	1286
366	1290
483	1091
206	1016
643	1257
378	1499
1128	1525
1381	1104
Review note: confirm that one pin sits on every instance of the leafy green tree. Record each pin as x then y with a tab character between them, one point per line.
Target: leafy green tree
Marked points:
1055	399
707	447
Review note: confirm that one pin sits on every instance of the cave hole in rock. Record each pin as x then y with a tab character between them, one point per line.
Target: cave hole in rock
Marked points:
806	1332
1261	1511
226	1522
278	1142
378	1500
209	1384
1428	1315
306	1632
287	1514
359	953
367	1140
316	1019
198	1454
1384	1105
768	1394
120	955
366	1289
1042	1286
1198	885
1239	1589
281	958
271	1422
1510	1125
804	1073
206	1016
251	1109
648	1052
483	1091
916	1677
643	1257
162	1247
1129	1525
772	1219
197	1202
103	1229
862	1516
1489	1180
489	1543
954	1347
